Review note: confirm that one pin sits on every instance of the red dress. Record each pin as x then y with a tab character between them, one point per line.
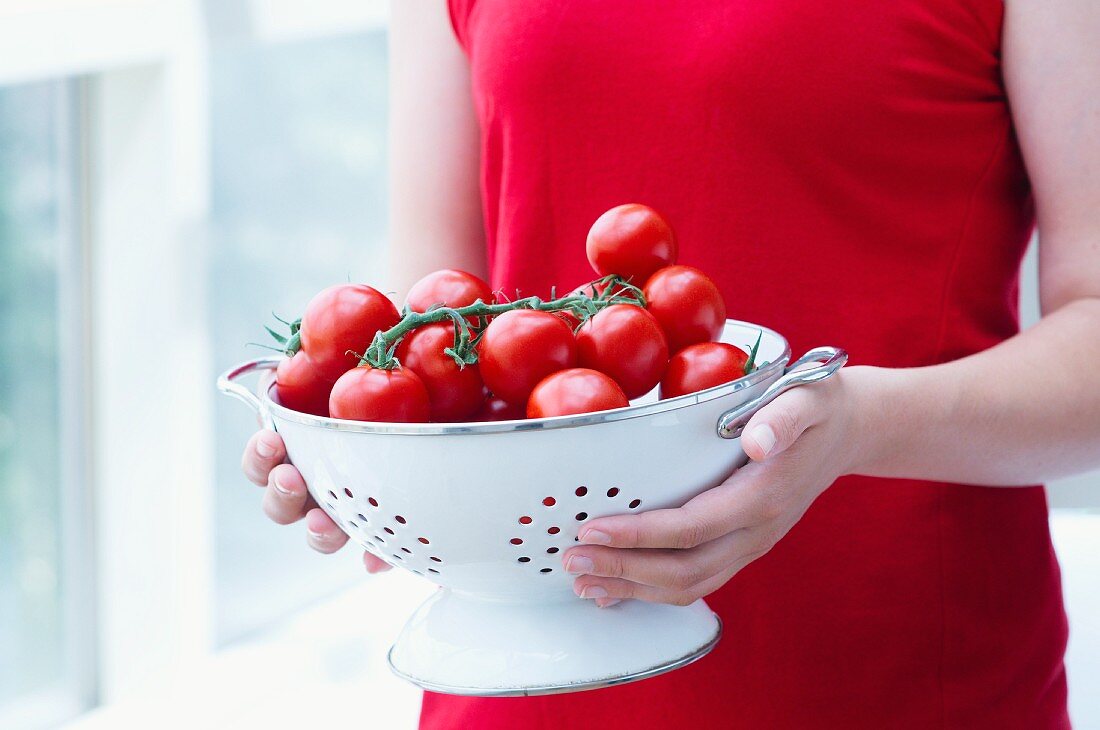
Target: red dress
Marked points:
848	174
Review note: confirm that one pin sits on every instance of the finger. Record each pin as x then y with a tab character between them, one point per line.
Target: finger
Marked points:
322	534
776	426
738	503
605	590
264	451
674	569
285	499
374	564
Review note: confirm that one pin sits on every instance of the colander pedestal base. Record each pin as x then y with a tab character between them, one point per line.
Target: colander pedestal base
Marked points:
457	643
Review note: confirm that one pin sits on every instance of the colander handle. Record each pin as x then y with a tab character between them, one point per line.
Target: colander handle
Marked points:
228	385
828	359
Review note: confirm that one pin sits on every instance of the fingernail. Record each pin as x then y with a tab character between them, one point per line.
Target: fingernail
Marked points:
764	436
579	564
593	592
264	447
609	602
595	537
319	536
280	488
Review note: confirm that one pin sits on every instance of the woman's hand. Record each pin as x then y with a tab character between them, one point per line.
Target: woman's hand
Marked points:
286	499
799	444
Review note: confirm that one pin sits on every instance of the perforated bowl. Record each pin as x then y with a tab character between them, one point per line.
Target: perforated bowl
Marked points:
485	510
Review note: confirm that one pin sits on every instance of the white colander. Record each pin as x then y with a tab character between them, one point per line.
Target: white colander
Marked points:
487	510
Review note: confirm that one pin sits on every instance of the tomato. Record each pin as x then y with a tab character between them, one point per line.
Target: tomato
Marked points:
703	366
455	392
625	342
521	347
589	289
388	396
577	390
498	409
569	318
687	304
341	320
301	386
450	288
632	241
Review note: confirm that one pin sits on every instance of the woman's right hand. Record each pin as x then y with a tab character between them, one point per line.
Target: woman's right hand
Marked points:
286	499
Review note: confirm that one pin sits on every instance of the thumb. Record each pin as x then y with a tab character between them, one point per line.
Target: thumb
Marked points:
776	426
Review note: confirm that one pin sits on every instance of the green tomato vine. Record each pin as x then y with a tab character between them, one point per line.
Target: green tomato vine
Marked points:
471	321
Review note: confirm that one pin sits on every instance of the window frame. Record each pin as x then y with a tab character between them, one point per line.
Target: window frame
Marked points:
137	550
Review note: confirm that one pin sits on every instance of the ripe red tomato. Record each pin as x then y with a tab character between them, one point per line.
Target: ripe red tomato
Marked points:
343	319
449	287
625	342
498	409
455	392
687	304
301	386
589	289
569	318
632	241
703	366
577	390
521	347
387	396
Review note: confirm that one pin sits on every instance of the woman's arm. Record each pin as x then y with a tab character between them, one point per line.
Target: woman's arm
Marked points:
1021	412
1028	409
435	201
435	215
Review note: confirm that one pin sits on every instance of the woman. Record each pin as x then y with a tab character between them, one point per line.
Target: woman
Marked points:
864	174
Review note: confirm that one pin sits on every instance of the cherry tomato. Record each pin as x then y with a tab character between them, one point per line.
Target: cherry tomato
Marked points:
569	318
301	386
577	390
632	241
521	347
387	396
455	392
625	342
449	287
590	289
687	304
343	319
498	409
703	366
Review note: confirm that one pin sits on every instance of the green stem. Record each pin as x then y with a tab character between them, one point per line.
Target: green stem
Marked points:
380	352
750	364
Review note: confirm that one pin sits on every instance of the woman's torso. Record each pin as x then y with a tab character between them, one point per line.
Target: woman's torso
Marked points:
848	174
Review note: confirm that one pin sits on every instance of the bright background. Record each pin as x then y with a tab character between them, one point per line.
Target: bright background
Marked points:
171	172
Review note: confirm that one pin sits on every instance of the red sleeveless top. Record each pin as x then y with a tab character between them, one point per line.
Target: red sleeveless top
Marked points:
848	174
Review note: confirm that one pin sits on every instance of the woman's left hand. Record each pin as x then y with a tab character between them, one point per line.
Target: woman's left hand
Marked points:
799	444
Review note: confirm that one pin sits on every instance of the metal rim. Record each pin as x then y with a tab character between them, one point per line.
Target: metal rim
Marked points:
539	424
554	689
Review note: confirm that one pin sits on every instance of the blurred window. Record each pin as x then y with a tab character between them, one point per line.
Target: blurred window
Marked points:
298	203
38	247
